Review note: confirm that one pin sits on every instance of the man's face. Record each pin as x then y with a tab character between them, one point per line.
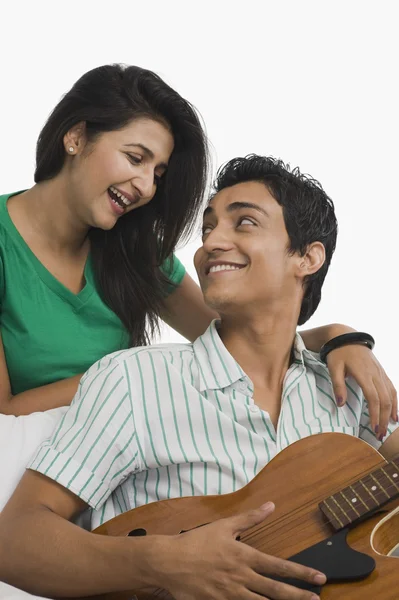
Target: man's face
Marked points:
244	259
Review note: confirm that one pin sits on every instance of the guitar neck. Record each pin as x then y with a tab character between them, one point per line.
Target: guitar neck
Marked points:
362	498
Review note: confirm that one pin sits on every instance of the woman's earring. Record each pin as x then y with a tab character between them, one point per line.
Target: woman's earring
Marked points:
71	149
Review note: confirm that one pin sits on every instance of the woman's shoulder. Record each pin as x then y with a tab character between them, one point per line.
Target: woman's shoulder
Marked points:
3	218
4	223
4	198
3	238
7	227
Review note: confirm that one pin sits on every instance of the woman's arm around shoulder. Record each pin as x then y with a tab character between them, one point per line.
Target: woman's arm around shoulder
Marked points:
185	310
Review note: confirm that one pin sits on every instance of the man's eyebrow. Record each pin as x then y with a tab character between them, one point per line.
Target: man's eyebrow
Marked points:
147	152
238	206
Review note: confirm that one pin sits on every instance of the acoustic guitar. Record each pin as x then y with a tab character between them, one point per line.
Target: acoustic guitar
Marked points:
337	510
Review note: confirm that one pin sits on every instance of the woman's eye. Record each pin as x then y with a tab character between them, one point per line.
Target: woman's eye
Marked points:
206	230
136	160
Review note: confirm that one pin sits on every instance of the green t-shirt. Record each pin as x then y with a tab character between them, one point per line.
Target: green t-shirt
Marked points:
48	332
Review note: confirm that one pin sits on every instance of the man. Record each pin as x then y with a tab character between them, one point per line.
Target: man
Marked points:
193	419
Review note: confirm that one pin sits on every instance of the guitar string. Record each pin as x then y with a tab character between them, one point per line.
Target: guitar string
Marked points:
281	522
328	521
324	530
278	532
378	493
164	594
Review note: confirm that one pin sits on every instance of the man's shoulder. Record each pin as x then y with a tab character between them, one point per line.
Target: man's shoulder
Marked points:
140	364
155	353
324	383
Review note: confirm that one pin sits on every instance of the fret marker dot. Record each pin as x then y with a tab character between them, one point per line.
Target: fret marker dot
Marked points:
354	500
395	475
374	488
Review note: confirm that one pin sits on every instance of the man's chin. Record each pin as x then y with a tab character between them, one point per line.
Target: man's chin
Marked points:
219	302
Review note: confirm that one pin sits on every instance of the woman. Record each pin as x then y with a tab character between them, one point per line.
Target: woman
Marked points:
86	254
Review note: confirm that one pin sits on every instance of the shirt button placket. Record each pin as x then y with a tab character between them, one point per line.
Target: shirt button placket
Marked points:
242	386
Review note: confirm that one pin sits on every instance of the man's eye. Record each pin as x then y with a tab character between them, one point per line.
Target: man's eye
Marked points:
246	221
206	230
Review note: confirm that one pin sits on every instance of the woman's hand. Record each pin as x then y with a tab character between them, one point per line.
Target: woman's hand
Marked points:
360	363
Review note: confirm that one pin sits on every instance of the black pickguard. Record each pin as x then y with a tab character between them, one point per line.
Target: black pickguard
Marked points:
335	559
332	556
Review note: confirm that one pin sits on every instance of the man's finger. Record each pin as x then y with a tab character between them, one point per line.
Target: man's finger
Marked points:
276	590
271	565
239	523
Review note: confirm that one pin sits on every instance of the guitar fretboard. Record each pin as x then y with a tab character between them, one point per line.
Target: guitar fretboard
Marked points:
363	497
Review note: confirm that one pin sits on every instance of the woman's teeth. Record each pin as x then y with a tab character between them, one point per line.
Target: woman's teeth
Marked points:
118	197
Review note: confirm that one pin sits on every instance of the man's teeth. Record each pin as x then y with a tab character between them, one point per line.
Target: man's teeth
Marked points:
125	201
224	268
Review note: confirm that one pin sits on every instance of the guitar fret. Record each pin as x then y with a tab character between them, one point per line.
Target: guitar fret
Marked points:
391	478
329	511
369	492
374	486
359	496
341	509
395	469
351	504
379	485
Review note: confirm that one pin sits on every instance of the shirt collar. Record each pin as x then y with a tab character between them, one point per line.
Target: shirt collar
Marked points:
217	368
304	356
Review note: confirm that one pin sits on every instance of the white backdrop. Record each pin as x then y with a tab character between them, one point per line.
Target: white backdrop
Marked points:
311	82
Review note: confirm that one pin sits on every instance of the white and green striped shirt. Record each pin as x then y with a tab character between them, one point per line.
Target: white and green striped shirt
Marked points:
180	420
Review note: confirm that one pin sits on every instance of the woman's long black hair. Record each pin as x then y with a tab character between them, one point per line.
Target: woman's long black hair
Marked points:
126	259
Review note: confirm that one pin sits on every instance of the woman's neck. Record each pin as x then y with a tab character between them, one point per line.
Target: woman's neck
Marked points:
50	216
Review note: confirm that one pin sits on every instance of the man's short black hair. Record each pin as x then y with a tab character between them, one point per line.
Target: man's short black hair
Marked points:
308	212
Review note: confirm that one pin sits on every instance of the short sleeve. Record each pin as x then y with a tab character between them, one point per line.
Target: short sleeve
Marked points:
94	448
365	431
174	270
1	281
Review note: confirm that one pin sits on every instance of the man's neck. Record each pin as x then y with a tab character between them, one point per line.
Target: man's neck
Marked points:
263	348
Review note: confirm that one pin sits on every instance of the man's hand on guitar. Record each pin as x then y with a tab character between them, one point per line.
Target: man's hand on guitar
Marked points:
208	563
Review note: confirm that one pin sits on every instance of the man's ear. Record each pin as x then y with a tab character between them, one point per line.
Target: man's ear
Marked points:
312	260
75	139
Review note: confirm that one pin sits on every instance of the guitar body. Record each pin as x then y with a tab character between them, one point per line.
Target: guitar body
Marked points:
296	480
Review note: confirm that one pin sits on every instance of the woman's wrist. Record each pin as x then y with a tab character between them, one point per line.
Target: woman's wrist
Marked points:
336	329
315	338
345	339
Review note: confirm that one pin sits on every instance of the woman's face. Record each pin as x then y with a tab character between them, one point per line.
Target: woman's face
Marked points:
116	173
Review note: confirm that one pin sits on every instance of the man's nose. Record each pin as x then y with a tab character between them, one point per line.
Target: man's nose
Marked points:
218	239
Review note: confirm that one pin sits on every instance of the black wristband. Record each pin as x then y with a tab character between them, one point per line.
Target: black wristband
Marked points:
357	337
